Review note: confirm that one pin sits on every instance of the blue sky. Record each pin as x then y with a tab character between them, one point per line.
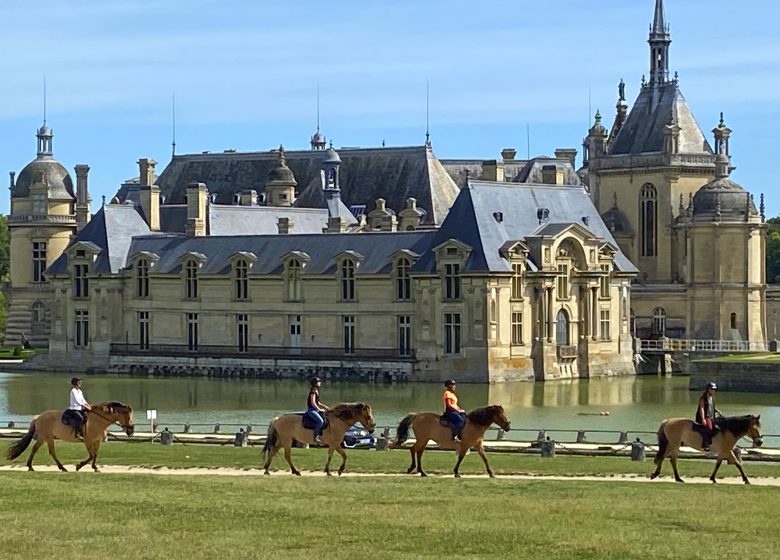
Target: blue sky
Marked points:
245	76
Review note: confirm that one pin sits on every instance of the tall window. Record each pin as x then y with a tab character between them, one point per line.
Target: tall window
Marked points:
562	328
452	333
403	283
404	335
451	281
517	281
80	281
143	330
241	279
142	279
659	321
81	334
294	280
38	317
563	281
39	260
348	322
40	204
604	325
604	281
648	220
347	279
192	331
191	279
242	332
733	321
517	328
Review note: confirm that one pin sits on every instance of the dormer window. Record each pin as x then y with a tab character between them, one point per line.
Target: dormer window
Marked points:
293	280
241	279
80	281
40	206
142	278
403	282
451	280
191	279
347	277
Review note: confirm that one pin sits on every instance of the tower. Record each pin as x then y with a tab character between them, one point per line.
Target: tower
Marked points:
280	188
659	42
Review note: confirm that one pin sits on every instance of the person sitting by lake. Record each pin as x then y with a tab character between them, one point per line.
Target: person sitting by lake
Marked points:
705	413
455	415
315	409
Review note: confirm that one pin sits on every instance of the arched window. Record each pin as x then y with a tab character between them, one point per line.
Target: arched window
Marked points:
293	280
659	321
347	271
403	282
241	279
733	320
191	279
648	220
562	328
142	278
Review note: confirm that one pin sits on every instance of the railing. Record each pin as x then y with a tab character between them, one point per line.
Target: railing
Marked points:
217	351
567	352
51	218
693	345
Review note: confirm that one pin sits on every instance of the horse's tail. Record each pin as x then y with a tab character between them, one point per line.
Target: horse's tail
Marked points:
402	433
663	443
271	440
18	448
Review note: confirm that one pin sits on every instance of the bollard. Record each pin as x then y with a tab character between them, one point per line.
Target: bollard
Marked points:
187	428
623	438
500	435
548	448
738	454
637	451
166	437
240	440
11	424
381	443
217	428
581	436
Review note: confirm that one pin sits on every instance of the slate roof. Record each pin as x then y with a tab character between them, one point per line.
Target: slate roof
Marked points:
655	107
263	220
365	175
51	172
472	221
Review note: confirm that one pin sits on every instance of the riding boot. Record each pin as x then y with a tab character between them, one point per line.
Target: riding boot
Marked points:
456	438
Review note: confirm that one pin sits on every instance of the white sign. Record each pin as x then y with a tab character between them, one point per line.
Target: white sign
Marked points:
151	414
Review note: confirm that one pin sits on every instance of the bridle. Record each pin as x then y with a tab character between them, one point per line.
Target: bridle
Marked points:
107	419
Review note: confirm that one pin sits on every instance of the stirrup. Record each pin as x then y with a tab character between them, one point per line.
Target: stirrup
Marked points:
456	439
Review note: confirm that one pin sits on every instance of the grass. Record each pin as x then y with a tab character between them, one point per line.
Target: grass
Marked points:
750	357
152	517
393	461
8	353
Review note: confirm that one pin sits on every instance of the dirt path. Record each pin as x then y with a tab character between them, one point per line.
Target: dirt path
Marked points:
123	469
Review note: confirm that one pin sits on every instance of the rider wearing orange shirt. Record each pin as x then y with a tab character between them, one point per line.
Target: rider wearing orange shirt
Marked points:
455	415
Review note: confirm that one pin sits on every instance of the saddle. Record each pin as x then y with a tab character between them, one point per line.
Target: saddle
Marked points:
307	423
705	432
444	422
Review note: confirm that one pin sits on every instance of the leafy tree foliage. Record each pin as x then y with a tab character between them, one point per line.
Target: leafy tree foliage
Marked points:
773	251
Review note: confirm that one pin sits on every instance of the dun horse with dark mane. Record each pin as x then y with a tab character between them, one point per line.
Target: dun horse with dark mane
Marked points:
427	426
289	427
48	426
677	432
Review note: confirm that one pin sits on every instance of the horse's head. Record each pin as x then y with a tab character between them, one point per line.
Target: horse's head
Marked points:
499	417
122	414
366	417
754	431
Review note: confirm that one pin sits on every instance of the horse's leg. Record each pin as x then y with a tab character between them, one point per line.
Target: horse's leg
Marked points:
461	454
85	461
657	472
35	449
420	450
673	461
413	466
715	471
481	451
94	455
343	465
288	458
327	463
738	464
53	454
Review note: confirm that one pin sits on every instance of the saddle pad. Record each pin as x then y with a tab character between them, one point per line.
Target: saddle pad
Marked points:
309	425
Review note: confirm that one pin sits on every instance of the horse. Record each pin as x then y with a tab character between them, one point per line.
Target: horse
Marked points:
676	432
48	426
287	428
427	426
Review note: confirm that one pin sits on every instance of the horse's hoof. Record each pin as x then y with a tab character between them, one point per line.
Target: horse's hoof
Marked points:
30	469
491	475
410	470
747	481
423	474
266	472
457	475
297	473
328	473
341	471
78	467
63	469
653	476
679	480
712	479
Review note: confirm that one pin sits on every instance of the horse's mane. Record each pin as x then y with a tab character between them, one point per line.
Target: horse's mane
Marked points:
737	425
105	406
483	416
348	411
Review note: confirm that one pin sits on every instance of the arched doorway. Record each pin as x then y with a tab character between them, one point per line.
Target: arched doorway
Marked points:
562	328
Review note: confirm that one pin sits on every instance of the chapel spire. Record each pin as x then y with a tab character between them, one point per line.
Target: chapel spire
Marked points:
659	41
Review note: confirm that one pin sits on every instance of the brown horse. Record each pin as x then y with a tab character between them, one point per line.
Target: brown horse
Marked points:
287	428
48	426
677	432
427	426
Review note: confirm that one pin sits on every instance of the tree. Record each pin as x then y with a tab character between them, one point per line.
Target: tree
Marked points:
773	251
5	257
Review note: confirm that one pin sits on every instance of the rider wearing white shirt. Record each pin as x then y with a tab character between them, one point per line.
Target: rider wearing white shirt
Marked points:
78	404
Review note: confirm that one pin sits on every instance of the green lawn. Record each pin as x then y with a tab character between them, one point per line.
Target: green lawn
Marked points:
748	357
53	515
7	353
393	461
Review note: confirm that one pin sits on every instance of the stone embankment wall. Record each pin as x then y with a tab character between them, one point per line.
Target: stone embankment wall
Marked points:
748	377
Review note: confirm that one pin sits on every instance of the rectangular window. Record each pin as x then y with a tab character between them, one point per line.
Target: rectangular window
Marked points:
517	281
192	331
191	280
39	260
80	281
451	281
241	280
563	281
142	279
242	332
404	335
347	280
403	282
452	333
295	331
604	281
517	328
604	325
294	280
81	335
143	330
349	334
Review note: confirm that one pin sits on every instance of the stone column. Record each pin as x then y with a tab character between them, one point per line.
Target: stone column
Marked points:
595	314
549	315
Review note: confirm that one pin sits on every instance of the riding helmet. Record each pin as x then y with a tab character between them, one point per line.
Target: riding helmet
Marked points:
711	385
449	383
315	380
75	380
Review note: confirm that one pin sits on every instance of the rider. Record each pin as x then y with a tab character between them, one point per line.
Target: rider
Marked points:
314	409
455	415
705	413
78	404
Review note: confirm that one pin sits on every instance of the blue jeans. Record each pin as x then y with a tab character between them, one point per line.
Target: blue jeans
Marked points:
316	417
457	420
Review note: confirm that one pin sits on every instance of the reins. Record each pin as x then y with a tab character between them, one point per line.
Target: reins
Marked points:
107	419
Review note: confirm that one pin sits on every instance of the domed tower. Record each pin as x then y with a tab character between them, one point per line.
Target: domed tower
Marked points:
280	188
41	223
724	259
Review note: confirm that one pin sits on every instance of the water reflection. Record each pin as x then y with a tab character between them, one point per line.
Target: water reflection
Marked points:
633	403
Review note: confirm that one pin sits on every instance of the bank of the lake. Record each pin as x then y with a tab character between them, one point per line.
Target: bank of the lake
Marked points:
754	372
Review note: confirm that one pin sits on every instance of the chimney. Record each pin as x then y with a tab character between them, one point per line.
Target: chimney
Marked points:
146	171
381	218
493	170
285	225
569	154
150	204
410	216
197	206
336	225
82	196
248	198
508	154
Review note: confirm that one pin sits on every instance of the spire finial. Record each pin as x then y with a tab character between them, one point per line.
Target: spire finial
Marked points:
318	106
722	121
44	100
173	124
104	201
659	19
659	46
427	113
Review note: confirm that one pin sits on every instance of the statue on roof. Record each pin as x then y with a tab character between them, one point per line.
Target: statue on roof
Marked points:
622	90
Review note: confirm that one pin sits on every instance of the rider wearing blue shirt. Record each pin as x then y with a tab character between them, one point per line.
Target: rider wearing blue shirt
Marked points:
315	409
